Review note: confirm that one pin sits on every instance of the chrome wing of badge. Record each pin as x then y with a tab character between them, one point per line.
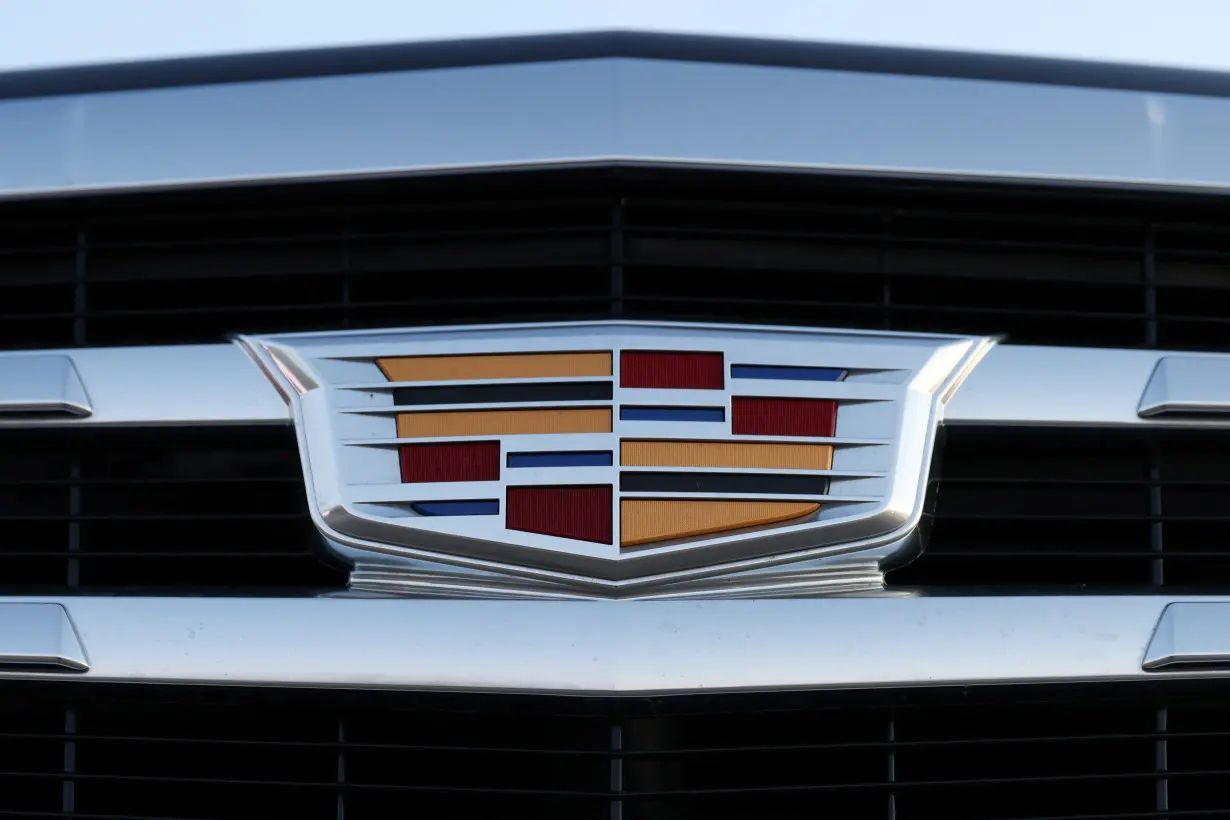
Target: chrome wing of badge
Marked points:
617	459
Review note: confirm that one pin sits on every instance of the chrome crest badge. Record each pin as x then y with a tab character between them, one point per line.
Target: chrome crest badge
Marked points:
617	458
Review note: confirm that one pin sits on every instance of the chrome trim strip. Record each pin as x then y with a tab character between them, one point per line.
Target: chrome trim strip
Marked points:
629	43
41	385
39	635
1189	635
1060	386
1013	385
602	647
612	110
148	386
1188	386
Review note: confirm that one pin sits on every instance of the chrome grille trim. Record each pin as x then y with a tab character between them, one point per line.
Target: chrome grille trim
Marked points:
1013	385
596	647
149	386
613	110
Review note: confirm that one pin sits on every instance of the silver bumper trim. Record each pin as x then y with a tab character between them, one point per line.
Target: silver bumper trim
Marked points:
1013	385
610	647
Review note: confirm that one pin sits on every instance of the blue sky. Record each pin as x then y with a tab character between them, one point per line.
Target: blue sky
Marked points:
40	33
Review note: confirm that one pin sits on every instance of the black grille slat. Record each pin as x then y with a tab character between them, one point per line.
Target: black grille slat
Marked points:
1047	267
995	753
1107	510
183	509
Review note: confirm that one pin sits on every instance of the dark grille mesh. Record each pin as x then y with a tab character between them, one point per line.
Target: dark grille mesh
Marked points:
101	752
1099	509
183	508
1043	267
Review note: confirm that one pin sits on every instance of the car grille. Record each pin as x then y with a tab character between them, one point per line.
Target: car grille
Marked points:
188	510
101	751
1041	267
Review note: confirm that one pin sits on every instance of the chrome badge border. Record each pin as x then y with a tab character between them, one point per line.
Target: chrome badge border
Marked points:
844	554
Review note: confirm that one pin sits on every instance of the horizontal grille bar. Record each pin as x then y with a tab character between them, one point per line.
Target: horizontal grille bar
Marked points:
215	385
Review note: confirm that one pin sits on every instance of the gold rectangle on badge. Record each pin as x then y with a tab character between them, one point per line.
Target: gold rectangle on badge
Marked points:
496	366
644	521
452	423
734	454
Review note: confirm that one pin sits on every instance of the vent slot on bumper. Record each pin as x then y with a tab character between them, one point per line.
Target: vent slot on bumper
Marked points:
109	752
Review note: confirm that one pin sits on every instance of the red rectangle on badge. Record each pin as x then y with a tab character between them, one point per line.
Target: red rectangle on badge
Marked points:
466	461
580	513
783	417
671	371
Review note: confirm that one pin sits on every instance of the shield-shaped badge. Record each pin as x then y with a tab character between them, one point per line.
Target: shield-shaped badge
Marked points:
617	458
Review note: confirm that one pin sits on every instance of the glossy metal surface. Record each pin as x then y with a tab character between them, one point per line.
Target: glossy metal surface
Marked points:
349	428
1191	635
1071	387
612	110
1012	385
39	635
42	385
1188	386
636	35
616	647
192	384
